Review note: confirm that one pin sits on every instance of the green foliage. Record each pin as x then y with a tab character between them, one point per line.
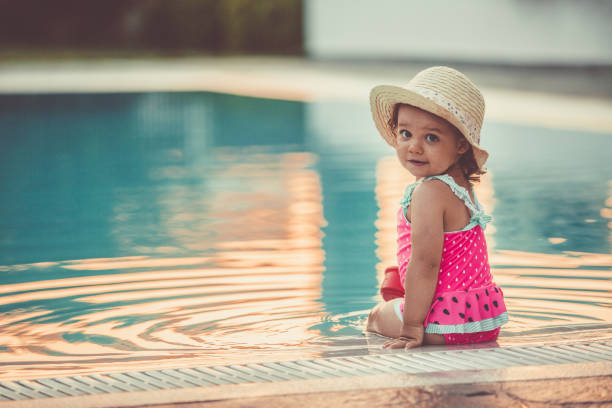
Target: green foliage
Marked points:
211	26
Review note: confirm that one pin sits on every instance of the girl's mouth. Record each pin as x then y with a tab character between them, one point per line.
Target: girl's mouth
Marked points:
417	162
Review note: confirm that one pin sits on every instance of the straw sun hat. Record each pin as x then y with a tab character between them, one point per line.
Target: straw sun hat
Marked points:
443	91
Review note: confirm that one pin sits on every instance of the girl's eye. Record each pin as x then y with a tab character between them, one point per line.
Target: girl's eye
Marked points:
405	134
432	138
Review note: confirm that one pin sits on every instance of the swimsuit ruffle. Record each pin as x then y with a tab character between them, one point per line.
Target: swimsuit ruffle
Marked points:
470	311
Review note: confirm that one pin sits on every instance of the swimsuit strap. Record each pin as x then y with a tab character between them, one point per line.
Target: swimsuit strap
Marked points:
476	210
458	190
408	194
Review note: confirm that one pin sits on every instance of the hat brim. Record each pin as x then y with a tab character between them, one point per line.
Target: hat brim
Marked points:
383	99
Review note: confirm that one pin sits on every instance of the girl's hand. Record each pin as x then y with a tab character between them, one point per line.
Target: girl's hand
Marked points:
411	337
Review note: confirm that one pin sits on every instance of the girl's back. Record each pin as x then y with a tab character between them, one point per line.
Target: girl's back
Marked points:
465	298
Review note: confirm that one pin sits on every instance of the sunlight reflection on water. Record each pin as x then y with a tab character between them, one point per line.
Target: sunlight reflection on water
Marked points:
259	288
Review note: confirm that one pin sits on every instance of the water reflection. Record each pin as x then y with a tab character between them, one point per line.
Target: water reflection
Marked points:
158	230
550	184
258	290
552	296
209	217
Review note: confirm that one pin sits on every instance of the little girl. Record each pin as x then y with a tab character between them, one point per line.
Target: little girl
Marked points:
450	298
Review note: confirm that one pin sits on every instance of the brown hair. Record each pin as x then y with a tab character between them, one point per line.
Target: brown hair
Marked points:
466	161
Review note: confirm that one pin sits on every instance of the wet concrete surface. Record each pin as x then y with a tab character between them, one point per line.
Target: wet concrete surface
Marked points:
572	392
574	385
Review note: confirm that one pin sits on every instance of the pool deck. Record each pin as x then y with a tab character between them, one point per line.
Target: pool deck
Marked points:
576	385
588	391
557	98
522	391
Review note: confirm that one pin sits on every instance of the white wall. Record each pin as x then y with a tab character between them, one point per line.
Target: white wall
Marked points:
498	31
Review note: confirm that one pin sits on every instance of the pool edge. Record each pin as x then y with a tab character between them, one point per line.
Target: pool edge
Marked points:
341	386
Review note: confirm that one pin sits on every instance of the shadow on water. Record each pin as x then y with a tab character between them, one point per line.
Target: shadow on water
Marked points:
173	229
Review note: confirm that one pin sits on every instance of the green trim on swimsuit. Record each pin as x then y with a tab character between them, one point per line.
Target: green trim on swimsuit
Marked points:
472	327
478	217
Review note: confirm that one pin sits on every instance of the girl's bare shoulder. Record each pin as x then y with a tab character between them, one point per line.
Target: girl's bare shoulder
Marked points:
433	191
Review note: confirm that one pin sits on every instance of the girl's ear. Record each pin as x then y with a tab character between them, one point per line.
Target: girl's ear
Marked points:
462	145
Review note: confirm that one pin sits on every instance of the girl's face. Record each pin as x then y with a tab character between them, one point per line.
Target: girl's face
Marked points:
426	144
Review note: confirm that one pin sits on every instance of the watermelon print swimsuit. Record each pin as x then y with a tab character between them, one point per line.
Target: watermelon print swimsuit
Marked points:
467	306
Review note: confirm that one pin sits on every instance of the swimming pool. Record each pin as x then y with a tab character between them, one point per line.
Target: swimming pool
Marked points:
174	229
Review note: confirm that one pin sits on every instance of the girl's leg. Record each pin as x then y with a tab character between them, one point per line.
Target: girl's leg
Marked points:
384	320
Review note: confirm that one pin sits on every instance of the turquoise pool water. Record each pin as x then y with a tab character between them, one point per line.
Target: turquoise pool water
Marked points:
169	229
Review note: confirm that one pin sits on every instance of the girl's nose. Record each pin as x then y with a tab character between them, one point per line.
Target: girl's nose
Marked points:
414	146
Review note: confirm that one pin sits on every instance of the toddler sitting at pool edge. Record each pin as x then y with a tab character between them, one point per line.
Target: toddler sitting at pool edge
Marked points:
450	298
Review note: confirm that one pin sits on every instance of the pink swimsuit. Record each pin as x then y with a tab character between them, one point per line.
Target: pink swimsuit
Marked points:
467	306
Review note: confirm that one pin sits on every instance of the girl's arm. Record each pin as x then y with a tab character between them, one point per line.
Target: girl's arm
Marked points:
427	237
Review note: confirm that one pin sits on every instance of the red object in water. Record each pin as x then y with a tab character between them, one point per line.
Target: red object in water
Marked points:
391	287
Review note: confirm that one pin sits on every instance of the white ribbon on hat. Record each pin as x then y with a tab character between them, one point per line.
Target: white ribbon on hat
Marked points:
444	102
